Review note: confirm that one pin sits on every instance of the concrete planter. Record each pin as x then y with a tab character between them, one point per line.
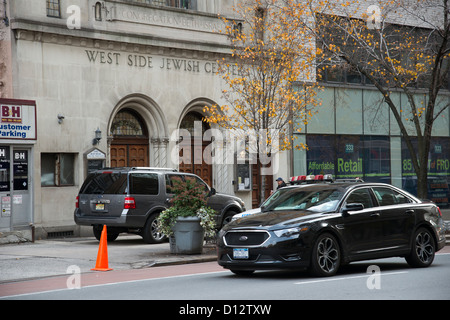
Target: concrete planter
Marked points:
187	236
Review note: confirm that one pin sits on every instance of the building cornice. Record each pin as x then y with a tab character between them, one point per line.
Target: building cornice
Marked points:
30	30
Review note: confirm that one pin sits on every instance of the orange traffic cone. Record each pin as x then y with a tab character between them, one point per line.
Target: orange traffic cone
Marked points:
102	256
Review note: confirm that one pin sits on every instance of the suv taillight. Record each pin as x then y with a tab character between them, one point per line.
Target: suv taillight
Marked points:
129	203
77	201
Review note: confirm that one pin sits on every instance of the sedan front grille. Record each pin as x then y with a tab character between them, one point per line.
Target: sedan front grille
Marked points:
246	238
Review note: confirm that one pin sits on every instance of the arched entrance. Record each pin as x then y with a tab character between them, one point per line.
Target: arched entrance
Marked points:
130	143
194	161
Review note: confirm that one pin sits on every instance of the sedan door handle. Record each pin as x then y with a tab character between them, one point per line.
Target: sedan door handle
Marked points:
409	211
375	214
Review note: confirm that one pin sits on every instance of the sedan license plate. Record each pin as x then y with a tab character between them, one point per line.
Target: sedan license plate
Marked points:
99	206
240	253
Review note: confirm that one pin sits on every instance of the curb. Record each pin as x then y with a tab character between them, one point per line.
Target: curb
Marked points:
180	262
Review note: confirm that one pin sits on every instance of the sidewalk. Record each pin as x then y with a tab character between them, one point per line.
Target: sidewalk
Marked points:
45	258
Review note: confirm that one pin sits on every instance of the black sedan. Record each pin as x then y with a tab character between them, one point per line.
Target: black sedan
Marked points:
323	226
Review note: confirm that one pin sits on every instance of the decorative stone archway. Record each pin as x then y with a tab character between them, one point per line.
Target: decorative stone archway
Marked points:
129	145
141	112
217	175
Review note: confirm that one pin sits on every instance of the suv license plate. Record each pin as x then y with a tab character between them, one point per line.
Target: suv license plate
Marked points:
99	206
240	253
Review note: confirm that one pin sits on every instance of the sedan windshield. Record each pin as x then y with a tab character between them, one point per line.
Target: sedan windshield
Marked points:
323	200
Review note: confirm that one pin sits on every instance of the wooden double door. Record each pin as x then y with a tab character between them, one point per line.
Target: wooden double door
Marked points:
129	155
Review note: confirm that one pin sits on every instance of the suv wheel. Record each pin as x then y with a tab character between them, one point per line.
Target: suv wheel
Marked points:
150	232
227	217
111	235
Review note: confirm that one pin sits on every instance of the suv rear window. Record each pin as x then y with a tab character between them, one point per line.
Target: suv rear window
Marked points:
105	183
144	183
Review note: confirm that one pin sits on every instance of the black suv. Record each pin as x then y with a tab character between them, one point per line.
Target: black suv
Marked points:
131	199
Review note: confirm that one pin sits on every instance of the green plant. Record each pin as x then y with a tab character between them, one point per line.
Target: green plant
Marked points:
208	223
189	201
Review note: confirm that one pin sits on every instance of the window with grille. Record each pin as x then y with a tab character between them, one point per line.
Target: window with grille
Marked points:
53	8
127	123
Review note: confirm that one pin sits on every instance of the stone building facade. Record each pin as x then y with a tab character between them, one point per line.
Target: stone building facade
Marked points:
112	81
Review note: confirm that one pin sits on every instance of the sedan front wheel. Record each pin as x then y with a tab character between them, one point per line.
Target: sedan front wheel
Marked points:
326	256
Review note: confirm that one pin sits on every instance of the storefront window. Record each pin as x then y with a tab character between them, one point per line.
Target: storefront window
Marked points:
320	157
438	171
349	156
349	162
377	159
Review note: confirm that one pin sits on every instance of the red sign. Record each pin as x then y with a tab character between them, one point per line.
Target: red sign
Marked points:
11	114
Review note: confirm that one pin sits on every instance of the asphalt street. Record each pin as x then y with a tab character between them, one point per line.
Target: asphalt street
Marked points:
393	280
53	258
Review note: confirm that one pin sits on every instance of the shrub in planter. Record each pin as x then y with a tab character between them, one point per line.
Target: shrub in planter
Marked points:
189	201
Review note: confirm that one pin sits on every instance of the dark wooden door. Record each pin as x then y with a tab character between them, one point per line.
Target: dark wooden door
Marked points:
129	155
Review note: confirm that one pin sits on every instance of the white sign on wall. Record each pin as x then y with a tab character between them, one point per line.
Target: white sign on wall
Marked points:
17	119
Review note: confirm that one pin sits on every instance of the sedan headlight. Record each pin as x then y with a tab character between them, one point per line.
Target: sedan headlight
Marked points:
220	234
290	232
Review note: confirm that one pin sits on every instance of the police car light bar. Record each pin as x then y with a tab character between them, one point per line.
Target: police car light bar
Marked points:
311	179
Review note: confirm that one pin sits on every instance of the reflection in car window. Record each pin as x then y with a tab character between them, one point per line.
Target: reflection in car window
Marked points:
104	183
198	182
360	196
387	197
325	200
144	183
170	182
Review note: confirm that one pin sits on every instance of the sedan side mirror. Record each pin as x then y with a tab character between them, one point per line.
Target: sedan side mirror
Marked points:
352	207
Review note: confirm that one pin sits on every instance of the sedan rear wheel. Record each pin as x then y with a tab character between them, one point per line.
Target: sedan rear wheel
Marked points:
423	250
326	256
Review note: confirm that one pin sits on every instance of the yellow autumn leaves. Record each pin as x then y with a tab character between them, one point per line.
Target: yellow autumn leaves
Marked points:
272	81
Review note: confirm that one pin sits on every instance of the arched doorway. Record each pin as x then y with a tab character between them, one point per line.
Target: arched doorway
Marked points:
130	143
194	161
